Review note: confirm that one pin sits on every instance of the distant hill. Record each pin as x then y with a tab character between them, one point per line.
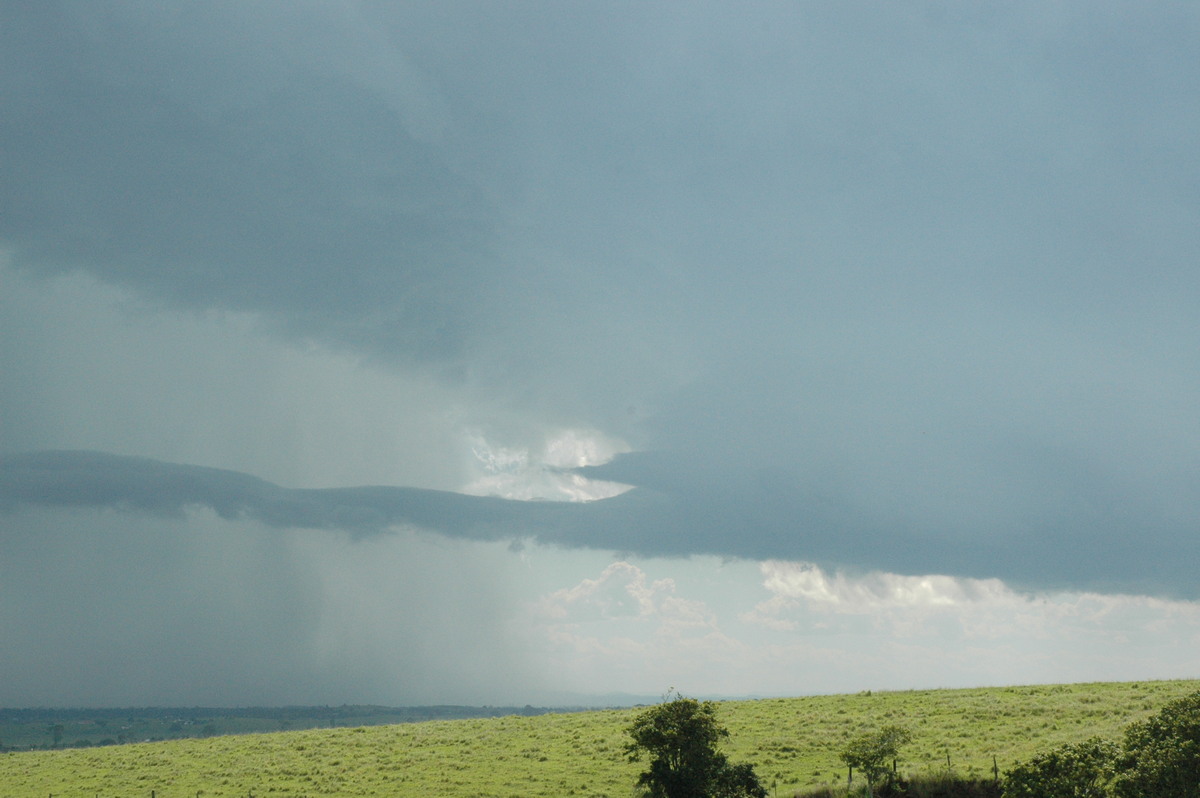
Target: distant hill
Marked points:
52	728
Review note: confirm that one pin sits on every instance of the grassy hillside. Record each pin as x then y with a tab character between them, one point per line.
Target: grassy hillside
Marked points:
793	743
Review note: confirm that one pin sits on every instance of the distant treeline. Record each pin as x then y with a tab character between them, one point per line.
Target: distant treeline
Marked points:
43	728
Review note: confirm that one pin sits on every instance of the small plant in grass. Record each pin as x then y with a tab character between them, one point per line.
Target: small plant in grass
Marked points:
874	754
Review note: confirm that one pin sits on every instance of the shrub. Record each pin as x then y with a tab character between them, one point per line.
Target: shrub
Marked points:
1075	770
1162	754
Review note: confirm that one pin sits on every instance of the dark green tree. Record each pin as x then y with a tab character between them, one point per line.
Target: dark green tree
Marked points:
738	781
1161	756
680	738
873	754
1075	770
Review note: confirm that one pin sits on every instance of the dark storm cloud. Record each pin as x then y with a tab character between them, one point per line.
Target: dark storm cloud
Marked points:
1096	539
96	479
209	167
881	286
1062	525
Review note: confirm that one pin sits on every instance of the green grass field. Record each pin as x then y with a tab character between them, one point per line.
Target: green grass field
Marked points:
793	743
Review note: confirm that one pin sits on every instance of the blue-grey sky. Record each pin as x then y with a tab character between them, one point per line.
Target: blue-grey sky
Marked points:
633	342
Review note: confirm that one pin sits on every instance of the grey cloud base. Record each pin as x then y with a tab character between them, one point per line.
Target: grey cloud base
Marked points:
761	517
97	479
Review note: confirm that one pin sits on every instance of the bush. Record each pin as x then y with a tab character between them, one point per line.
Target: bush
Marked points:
1162	754
1075	770
950	786
942	785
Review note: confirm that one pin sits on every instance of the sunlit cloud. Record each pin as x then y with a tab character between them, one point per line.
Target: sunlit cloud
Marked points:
545	472
883	630
621	591
805	597
622	629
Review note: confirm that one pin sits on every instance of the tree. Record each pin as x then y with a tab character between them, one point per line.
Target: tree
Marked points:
737	781
1161	756
680	738
1074	770
874	752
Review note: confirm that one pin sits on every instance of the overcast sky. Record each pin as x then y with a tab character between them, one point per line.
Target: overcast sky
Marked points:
477	352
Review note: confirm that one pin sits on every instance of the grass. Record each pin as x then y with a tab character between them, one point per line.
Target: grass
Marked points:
793	743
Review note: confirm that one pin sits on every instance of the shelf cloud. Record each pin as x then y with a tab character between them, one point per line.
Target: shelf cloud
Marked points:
761	517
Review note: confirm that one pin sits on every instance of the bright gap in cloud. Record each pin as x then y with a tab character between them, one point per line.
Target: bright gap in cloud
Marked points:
545	471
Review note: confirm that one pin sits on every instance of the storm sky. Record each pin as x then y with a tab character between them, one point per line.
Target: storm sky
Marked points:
528	352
